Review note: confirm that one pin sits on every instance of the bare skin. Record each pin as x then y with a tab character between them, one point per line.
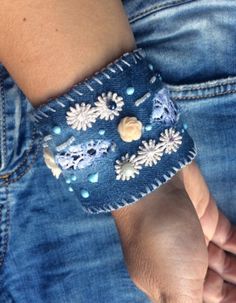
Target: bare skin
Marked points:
162	234
164	218
47	46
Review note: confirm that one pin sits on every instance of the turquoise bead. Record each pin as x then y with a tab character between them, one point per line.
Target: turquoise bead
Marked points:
84	193
93	178
73	178
150	66
185	126
57	130
130	91
70	189
68	181
101	132
148	127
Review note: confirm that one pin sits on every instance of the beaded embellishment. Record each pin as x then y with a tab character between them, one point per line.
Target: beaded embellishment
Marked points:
149	154
83	115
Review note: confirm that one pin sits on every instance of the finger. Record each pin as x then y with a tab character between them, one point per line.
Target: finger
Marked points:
225	234
201	198
222	263
216	290
216	226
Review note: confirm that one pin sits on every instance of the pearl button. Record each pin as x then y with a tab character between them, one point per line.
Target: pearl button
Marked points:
128	169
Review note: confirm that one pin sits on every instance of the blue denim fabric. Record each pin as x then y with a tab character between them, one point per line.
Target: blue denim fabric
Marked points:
128	88
51	250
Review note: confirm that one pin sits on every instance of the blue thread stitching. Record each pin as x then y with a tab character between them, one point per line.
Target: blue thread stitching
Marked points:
101	209
119	67
137	53
97	80
106	75
125	62
61	104
4	219
77	92
51	109
69	98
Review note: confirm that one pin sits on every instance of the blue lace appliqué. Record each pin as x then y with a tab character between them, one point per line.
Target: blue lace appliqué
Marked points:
82	155
164	109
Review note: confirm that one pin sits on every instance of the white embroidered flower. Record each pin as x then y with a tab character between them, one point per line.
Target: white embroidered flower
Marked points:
109	105
150	153
127	167
81	116
170	139
51	164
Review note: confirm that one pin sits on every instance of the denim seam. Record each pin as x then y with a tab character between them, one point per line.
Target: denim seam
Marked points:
157	7
27	168
156	183
203	96
4	239
25	157
230	80
3	125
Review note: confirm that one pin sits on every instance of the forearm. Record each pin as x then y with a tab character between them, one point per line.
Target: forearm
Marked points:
49	46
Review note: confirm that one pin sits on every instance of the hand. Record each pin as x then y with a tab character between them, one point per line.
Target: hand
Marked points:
220	236
164	246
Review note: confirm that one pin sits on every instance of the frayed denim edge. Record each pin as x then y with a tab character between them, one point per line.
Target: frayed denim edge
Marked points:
157	183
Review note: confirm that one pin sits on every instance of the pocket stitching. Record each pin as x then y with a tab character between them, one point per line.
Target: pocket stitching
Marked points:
203	96
155	8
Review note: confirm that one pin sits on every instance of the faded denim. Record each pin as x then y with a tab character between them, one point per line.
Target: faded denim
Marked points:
50	249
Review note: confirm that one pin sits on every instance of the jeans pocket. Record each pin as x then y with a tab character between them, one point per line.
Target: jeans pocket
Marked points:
190	43
209	111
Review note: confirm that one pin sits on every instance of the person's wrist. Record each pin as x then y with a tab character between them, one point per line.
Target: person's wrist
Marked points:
134	215
87	63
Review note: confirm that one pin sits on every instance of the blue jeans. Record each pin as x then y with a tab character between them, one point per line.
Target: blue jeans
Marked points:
50	249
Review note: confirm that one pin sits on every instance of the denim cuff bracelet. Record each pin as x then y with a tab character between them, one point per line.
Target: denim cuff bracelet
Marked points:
116	136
